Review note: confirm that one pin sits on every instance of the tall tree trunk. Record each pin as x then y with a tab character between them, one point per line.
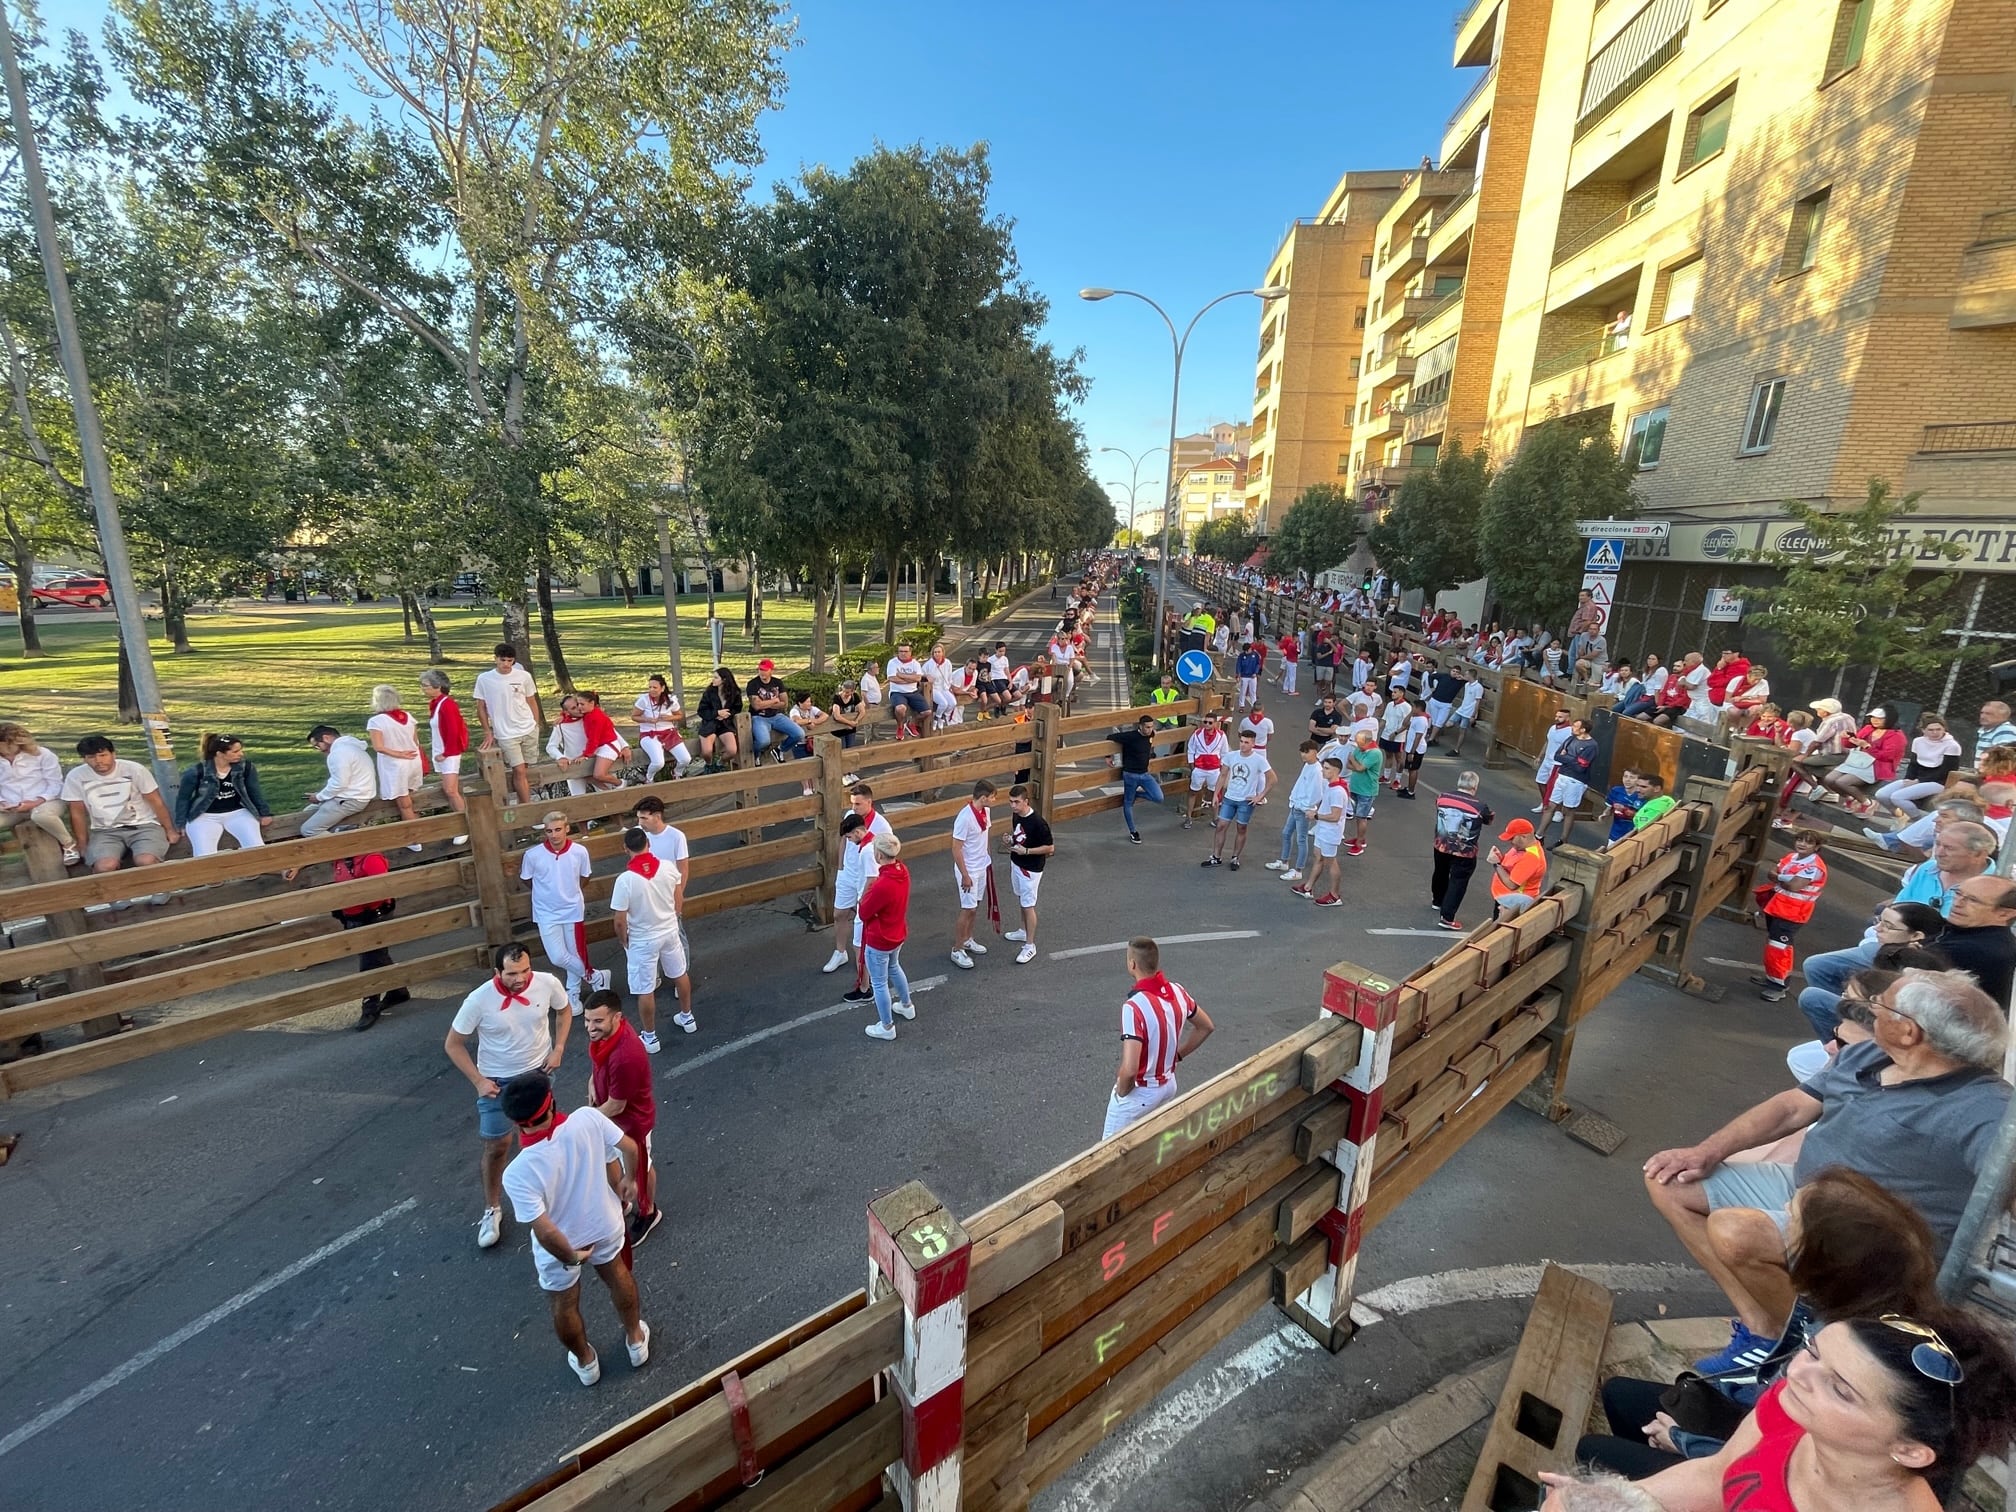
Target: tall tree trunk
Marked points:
867	572
749	597
895	559
927	586
755	604
174	619
406	614
549	630
129	696
819	608
623	583
518	630
840	609
24	586
435	655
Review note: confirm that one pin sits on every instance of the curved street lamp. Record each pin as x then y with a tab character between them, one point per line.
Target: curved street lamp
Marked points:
1133	481
1177	345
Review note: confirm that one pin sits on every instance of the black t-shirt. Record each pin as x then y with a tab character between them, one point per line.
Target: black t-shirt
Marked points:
1446	688
229	799
1323	723
765	687
1987	952
1136	749
848	707
1029	829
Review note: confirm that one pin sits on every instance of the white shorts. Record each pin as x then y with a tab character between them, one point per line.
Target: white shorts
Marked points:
1326	839
1202	780
846	887
1027	885
555	1277
399	776
653	961
1568	791
606	753
1137	1104
978	895
449	766
1438	714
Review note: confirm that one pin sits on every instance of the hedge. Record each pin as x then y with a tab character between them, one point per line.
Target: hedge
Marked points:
919	638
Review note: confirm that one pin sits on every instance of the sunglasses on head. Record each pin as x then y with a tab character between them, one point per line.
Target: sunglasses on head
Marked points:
1933	1358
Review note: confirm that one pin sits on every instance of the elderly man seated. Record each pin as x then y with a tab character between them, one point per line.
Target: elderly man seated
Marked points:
1914	1108
1962	849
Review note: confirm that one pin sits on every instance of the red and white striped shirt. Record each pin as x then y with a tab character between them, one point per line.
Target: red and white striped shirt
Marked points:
1155	1013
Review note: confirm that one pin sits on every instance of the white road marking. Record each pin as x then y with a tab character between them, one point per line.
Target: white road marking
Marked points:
1127	1457
1188	939
920	984
189	1331
1410	931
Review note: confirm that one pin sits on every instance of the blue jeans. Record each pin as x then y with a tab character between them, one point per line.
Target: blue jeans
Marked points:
1295	840
779	728
884	967
1137	782
1826	976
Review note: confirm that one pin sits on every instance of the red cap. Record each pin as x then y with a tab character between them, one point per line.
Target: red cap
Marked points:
1517	828
766	665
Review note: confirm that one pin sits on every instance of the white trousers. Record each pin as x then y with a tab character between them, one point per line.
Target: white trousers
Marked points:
205	830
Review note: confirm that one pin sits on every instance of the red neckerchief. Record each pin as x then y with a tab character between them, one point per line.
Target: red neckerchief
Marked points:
529	1137
600	1050
563	849
980	817
398	716
645	865
1999	811
1157	989
508	995
867	830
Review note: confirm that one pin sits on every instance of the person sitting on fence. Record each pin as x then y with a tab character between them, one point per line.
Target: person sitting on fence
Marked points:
352	784
395	747
846	712
31	788
1932	758
1915	1108
1874	752
1518	870
1640	696
220	795
770	723
1768	724
584	735
117	811
720	703
871	687
659	717
1676	696
939	671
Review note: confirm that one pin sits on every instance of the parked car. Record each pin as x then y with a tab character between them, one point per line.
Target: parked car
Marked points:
78	591
467	583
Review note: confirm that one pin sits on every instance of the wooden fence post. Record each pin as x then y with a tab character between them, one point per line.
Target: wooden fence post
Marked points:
919	1252
827	752
745	757
1589	870
489	812
1373	1003
1044	759
45	864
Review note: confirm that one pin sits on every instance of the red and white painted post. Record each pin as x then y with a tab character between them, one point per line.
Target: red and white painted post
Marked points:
1372	1002
920	1252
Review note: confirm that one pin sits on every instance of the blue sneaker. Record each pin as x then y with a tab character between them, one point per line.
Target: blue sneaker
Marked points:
1743	1350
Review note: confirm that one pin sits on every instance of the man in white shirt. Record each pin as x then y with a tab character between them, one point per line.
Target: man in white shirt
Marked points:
973	869
507	705
906	682
1242	785
519	1022
1061	653
856	869
352	784
1258	725
668	844
1206	751
1465	717
645	908
1361	671
116	809
569	1182
556	867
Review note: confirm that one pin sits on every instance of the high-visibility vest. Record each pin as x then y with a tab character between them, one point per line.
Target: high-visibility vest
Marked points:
1166	696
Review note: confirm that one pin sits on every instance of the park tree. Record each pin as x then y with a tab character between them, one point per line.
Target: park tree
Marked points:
1317	533
1852	595
1565	471
1229	539
1428	540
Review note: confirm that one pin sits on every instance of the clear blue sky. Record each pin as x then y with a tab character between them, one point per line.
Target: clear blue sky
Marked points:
1163	147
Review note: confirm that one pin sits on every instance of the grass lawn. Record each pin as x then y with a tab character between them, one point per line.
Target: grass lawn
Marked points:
267	672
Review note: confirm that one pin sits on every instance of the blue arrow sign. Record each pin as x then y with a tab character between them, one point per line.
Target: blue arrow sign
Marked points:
1192	668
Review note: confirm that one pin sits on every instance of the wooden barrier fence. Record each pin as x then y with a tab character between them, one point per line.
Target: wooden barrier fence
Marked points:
225	951
1086	1292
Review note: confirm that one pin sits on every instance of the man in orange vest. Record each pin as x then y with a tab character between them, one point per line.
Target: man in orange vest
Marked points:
1784	904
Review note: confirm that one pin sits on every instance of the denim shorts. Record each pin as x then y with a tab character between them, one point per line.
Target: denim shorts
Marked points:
1238	811
1766	1185
490	1120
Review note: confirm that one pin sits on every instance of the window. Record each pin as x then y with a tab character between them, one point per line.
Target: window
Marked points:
1802	237
1354	366
1364	410
1766	399
1674	294
1707	131
1647	438
1851	31
1365	266
1343	464
1358	319
1378	305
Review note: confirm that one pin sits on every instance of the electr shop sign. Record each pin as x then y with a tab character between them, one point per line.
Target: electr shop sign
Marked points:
1990	548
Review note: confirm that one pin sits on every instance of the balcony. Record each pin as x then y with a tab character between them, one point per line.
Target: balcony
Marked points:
1579	354
1452	229
1392	366
1387	420
1425	422
1986	296
1400	257
1388	475
1401	313
1644	45
1463	119
1476	32
1616	220
1973	437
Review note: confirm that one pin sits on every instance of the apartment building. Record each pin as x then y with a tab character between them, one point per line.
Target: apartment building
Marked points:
1224	439
1306	372
1207	489
1441	254
1774	245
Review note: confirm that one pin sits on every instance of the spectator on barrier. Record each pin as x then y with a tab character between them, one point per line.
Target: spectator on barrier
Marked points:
31	788
1914	1108
846	712
1933	757
1960	801
1874	752
770	722
220	795
720	703
1996	729
1874	1412
116	809
1744	696
361	916
1137	750
1518	870
1901	929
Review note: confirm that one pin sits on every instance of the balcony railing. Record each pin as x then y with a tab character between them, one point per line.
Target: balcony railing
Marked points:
1579	355
1616	220
1976	436
1471	98
1425	420
1441	304
1647	43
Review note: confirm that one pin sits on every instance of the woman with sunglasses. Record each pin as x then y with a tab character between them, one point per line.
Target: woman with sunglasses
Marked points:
1878	1414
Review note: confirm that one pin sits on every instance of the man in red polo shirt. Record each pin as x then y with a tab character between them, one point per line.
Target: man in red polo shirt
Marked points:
619	1088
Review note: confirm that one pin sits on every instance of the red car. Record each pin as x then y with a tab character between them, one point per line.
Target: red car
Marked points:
78	592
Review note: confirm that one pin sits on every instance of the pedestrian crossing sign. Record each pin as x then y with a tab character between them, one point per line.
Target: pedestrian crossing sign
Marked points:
1606	555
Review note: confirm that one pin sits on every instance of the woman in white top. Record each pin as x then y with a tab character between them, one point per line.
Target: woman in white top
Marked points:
658	720
390	731
1935	756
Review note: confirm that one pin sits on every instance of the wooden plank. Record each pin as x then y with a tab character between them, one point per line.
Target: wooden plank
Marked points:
1325	1062
1393	1186
993	1444
18	903
1427	1056
1119	719
989	763
158	933
686	1454
1319	1133
1545	1404
833	1468
70	1007
1009	1340
98	1055
1300	1209
1300	1269
1084	808
1009	1256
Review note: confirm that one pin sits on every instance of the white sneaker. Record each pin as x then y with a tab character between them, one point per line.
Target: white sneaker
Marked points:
589	1373
598	981
974	947
904	1010
1291	875
1027	954
416	848
650	1038
489	1228
159	898
70	856
835	961
881	1031
639	1353
687	1022
459	840
962	960
574	1006
1277	866
1017	936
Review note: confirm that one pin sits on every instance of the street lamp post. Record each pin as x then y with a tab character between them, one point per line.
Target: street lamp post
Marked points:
1133	481
1177	345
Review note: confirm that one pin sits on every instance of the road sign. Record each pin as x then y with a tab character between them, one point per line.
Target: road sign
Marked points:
1602	590
1722	608
1604	555
1624	530
1192	668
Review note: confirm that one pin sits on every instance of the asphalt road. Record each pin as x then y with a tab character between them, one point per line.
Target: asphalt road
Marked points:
245	1274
